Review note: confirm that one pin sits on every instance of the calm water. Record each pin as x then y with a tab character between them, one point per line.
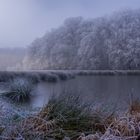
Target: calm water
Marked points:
111	90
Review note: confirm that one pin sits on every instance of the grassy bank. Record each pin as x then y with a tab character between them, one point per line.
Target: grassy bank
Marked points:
59	75
69	118
107	72
36	76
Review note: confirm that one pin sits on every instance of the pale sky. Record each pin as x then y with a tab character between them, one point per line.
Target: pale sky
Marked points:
21	21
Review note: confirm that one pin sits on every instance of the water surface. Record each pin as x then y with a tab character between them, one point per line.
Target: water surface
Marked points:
112	90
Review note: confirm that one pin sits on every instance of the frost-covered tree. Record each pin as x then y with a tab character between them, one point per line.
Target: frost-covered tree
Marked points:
111	42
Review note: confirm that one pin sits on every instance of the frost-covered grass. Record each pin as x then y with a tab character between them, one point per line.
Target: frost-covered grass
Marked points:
54	75
19	90
63	115
69	117
107	72
36	76
59	75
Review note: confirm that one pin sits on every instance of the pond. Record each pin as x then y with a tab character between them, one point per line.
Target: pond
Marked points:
116	91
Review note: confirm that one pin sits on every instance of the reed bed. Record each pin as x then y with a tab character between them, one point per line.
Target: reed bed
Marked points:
36	76
69	118
107	72
59	75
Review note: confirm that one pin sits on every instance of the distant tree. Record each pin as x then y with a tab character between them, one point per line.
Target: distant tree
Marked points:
111	42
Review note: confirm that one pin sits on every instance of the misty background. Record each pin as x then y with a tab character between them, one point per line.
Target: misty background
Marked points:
21	22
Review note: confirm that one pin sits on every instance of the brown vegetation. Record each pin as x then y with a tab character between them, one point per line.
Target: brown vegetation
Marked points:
66	118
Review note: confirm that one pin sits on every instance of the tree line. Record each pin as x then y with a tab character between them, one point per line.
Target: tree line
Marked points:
110	42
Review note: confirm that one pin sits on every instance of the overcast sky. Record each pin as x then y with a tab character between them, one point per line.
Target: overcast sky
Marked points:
21	21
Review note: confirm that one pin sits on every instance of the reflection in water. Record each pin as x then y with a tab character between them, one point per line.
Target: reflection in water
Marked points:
114	90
